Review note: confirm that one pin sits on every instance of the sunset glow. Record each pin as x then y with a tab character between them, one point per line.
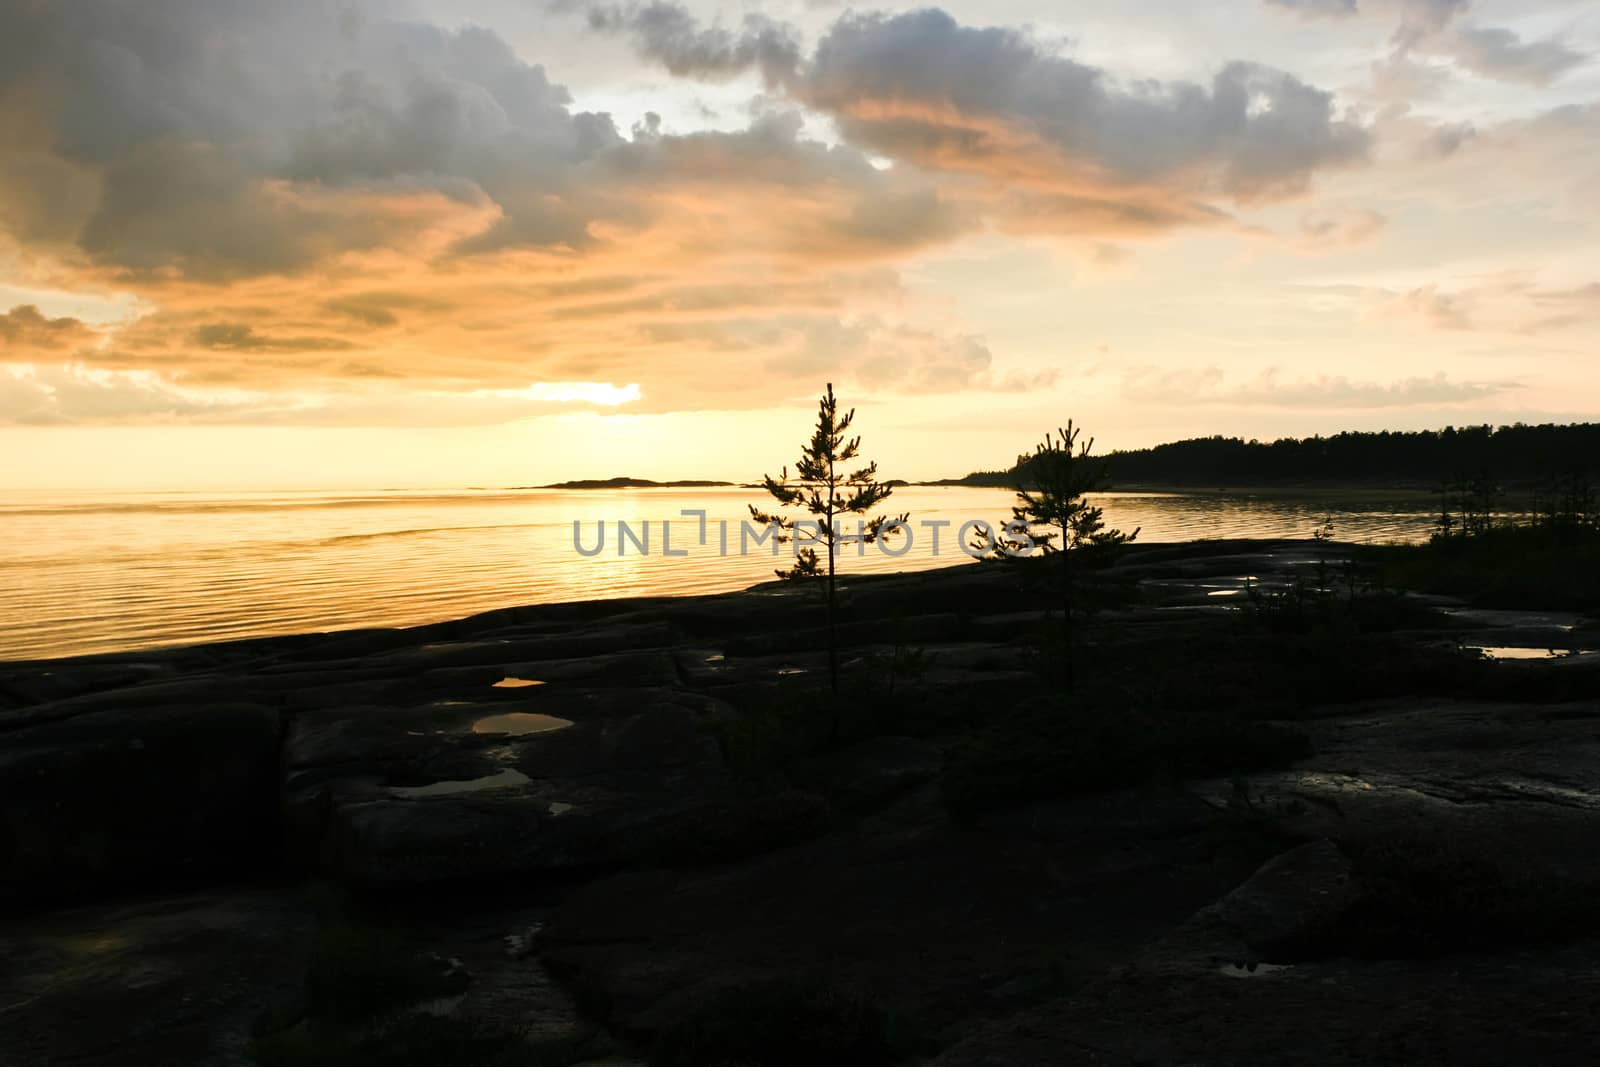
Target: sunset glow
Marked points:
407	243
756	533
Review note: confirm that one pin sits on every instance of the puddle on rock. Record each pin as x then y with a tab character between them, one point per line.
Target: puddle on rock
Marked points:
787	671
515	683
519	722
504	780
1517	652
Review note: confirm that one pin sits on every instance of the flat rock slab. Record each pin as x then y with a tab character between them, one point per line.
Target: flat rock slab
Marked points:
111	799
406	797
1290	901
512	827
1522	781
946	922
171	981
1480	1011
1200	995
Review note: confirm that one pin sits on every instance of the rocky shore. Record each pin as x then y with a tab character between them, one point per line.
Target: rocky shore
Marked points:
582	814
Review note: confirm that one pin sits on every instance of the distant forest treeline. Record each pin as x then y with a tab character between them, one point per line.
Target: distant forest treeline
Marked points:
1511	455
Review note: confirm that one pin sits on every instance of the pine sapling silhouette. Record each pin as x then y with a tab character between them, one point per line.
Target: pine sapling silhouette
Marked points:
1052	488
826	487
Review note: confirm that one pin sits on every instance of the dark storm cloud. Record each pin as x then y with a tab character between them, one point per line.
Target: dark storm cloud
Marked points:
221	139
670	35
224	139
921	85
227	138
923	88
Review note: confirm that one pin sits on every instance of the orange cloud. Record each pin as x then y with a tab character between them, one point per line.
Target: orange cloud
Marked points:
26	333
322	210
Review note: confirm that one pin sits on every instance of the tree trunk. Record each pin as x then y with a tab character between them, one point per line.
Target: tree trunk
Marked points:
833	638
1067	658
833	660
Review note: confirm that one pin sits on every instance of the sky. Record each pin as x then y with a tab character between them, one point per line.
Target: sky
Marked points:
503	242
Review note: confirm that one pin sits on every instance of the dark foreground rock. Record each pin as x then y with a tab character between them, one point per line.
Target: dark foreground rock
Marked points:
1519	781
107	799
944	922
169	981
647	799
451	793
1528	1006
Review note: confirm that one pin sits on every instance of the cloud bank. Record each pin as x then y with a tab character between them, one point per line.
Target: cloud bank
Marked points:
326	212
311	198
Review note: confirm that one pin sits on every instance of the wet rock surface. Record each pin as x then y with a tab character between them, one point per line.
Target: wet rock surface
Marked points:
1521	781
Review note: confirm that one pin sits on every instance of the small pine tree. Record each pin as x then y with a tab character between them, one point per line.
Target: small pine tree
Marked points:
1052	488
827	488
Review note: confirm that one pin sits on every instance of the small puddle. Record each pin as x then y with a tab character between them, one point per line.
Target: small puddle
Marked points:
519	722
787	671
515	683
504	780
1516	652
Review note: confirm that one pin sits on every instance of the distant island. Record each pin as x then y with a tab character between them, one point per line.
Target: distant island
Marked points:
1519	455
637	483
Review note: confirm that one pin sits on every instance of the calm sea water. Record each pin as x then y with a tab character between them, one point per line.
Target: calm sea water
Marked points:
87	573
